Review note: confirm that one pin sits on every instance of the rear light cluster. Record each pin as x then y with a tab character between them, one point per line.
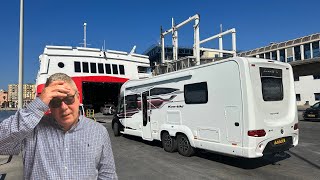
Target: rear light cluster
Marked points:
257	133
295	126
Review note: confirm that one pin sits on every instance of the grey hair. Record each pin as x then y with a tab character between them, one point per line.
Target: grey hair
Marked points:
61	77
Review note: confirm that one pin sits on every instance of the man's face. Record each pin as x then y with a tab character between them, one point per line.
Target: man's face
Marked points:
66	110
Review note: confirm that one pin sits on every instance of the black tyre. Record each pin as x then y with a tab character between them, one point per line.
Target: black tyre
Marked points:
116	129
169	143
184	147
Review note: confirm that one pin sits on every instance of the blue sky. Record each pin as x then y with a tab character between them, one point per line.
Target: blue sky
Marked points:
125	23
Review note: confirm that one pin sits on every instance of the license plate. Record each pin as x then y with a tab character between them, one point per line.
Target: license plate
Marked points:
311	115
279	141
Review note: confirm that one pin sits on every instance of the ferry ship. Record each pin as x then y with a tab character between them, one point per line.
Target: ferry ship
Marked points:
97	73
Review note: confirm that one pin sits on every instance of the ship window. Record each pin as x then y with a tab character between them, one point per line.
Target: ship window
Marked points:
100	68
85	67
115	69
196	93
77	67
108	69
93	67
142	69
121	69
61	64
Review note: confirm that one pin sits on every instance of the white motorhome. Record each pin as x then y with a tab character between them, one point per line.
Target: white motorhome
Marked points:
239	106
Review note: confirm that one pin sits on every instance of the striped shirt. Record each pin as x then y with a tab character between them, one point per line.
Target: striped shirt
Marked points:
83	152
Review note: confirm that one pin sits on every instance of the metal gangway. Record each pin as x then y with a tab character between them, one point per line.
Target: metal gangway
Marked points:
176	64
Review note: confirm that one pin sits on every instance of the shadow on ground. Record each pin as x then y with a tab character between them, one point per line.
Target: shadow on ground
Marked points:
244	163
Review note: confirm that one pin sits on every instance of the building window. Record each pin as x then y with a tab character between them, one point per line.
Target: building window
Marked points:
298	98
77	67
274	55
108	69
289	55
317	96
121	69
282	57
100	68
267	55
261	56
93	67
114	69
85	67
307	51
315	49
316	76
297	53
196	93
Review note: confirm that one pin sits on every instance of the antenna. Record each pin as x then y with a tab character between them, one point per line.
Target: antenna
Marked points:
220	28
84	34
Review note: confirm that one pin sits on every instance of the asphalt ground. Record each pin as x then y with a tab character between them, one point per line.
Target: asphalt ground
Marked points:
143	160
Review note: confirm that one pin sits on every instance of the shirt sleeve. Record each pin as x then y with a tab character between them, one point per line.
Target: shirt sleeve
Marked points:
106	167
15	128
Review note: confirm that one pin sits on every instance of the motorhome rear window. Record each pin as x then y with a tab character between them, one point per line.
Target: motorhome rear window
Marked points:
271	81
196	93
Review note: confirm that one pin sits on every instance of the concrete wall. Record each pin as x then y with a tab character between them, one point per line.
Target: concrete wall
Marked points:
306	87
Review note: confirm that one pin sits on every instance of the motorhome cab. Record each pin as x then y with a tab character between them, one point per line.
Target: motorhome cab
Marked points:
239	106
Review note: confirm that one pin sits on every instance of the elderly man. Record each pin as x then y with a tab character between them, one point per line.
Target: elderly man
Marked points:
61	145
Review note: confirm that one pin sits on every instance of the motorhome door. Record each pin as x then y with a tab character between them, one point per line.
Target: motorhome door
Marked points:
146	128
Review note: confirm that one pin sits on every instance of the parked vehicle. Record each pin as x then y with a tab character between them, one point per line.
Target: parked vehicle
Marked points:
312	113
107	109
239	107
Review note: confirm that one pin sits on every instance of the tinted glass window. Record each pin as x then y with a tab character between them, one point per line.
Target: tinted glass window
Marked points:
271	81
115	69
93	67
85	67
297	53
142	69
315	49
100	68
77	67
317	96
196	93
108	69
157	91
121	69
282	55
298	98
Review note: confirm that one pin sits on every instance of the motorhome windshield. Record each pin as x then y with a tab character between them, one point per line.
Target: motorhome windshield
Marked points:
271	81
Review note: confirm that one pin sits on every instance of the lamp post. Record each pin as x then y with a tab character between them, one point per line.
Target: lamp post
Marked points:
20	90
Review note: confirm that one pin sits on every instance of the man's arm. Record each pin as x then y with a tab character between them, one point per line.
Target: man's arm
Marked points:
15	128
106	167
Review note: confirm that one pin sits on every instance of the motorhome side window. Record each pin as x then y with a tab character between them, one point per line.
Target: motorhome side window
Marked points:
77	67
196	93
131	102
108	69
85	67
93	67
271	82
